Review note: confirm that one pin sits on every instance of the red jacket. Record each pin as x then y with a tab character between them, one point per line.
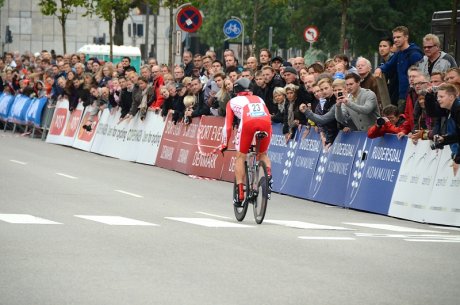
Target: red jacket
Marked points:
159	99
402	125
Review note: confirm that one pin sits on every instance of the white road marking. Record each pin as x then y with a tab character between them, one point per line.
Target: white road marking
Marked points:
446	228
208	222
26	219
116	220
305	225
66	176
18	162
325	238
128	193
434	240
213	215
391	227
381	235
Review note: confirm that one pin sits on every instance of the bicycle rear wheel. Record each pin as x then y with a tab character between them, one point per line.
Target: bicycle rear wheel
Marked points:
260	202
240	212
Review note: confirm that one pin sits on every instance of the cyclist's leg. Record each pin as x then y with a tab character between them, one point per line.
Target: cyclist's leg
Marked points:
239	167
263	156
243	142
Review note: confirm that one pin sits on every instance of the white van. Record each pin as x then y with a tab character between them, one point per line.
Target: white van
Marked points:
102	52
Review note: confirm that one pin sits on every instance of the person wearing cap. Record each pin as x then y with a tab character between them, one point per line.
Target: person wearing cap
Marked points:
253	116
290	76
276	63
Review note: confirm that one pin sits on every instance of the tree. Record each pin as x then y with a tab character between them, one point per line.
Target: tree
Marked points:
110	10
50	8
256	15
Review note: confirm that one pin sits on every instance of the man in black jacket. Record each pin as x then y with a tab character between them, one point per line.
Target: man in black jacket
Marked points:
448	99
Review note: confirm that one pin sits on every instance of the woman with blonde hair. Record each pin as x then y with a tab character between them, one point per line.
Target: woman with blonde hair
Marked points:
279	98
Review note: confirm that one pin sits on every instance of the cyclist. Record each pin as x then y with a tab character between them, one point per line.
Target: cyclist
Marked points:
253	116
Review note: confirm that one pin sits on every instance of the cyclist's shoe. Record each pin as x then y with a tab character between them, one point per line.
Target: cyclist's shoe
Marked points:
270	186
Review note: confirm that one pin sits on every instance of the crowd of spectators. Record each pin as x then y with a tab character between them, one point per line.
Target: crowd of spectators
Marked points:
338	94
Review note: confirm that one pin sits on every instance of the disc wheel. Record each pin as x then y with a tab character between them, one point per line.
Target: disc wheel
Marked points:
261	199
240	212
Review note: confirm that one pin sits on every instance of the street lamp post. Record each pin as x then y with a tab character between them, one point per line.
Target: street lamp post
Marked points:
242	39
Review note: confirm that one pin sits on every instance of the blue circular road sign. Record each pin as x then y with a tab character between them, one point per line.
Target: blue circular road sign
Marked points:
232	28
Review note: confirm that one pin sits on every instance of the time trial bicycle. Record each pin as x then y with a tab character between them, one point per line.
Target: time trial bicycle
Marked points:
256	190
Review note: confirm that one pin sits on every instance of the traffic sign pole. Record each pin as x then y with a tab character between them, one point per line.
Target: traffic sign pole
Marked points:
178	47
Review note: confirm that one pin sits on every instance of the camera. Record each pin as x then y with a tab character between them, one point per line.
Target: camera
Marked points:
437	143
339	94
380	121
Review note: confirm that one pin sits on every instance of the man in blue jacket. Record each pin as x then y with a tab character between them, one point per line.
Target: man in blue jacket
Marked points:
408	54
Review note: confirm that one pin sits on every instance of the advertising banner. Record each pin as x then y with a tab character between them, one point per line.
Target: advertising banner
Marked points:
149	145
34	113
277	153
6	100
85	138
228	166
115	134
415	182
375	172
101	133
19	109
301	160
59	123
178	145
205	161
334	169
444	203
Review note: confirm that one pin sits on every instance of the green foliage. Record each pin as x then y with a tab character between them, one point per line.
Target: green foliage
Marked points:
367	21
66	7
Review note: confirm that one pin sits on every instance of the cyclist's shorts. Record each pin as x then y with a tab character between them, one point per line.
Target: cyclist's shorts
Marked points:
246	131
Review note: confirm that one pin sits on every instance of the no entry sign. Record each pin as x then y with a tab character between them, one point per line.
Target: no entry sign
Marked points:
311	34
189	19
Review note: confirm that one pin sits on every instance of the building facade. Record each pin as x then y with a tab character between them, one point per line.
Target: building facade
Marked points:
32	31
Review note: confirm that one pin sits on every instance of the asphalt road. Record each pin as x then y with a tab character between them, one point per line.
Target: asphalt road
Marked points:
79	228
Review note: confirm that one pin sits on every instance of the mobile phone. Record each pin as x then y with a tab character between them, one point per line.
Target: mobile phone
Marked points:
339	94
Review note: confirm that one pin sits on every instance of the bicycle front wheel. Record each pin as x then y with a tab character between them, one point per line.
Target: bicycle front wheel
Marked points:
260	202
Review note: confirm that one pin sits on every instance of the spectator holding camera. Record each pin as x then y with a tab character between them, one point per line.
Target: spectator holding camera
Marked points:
392	122
360	107
324	115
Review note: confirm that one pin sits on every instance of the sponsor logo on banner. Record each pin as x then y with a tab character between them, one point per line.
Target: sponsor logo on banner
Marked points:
175	137
19	109
32	111
6	101
277	154
375	172
83	134
59	121
426	189
206	162
73	123
334	169
301	161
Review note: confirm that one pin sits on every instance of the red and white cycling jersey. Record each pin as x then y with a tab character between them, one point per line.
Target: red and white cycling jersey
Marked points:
254	116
